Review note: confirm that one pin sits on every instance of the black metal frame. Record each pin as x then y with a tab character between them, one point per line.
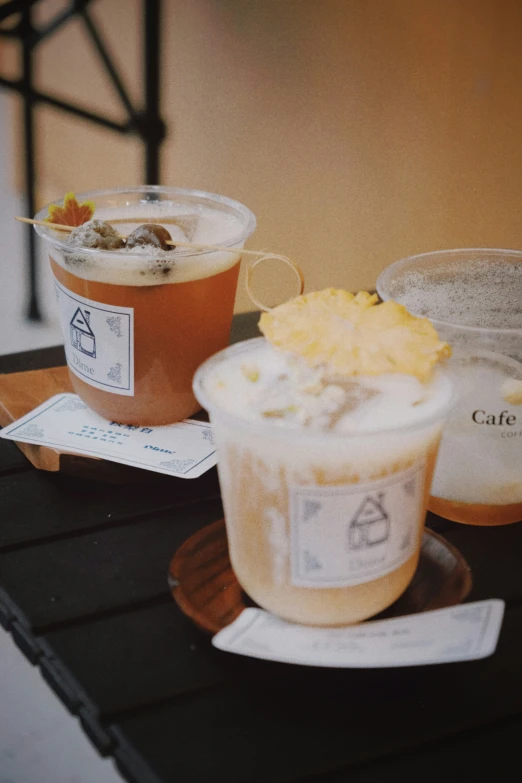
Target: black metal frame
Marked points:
146	122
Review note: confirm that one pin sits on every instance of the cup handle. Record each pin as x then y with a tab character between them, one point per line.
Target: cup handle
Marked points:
268	257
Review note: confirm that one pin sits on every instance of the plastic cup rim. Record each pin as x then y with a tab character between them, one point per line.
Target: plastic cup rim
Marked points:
386	274
232	242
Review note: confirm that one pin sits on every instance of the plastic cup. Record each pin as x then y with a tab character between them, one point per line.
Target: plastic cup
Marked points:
323	528
474	299
136	324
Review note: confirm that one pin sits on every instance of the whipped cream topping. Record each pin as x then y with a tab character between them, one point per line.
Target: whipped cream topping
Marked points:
266	384
145	265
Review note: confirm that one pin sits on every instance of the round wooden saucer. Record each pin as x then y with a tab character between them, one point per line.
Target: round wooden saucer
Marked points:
206	589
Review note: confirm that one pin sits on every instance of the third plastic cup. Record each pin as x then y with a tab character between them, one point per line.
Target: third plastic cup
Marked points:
474	299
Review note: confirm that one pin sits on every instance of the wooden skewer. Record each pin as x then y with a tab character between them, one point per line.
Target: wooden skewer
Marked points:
175	243
167	220
58	226
260	255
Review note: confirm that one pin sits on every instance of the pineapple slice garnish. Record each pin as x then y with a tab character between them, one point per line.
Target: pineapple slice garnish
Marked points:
353	335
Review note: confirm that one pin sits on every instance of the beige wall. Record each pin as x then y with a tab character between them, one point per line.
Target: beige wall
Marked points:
359	131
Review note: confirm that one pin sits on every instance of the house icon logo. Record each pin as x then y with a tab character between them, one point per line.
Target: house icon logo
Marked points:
370	525
82	336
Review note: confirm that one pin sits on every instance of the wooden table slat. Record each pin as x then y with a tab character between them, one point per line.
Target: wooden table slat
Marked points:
11	458
99	572
305	721
487	753
136	658
44	505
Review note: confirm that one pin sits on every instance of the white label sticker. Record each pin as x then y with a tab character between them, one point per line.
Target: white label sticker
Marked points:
347	535
458	633
99	341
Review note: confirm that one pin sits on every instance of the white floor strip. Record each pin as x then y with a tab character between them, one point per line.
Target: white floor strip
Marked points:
40	742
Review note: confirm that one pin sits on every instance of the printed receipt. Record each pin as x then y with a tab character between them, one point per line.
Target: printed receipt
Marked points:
459	633
184	450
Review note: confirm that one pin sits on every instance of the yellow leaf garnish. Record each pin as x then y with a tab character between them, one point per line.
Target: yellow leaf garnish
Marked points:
71	213
353	335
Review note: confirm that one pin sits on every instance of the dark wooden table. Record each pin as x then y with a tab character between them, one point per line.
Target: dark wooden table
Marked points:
83	590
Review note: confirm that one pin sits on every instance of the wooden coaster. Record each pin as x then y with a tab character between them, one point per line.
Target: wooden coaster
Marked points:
205	587
22	392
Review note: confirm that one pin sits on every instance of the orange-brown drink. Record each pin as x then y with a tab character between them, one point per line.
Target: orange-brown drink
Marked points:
327	433
139	315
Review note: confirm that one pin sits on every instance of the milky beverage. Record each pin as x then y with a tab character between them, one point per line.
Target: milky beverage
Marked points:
138	322
474	298
324	480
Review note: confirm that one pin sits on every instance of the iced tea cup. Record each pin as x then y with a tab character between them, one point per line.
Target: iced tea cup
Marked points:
137	322
324	527
473	297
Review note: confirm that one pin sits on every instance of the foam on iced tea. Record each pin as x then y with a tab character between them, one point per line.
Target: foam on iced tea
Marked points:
143	266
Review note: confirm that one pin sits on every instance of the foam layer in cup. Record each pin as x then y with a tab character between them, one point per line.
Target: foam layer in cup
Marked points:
267	385
199	223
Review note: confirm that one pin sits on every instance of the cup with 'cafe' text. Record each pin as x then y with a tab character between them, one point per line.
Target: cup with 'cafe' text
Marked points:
474	299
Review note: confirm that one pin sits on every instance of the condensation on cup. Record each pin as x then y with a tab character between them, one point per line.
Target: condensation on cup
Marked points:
474	299
138	321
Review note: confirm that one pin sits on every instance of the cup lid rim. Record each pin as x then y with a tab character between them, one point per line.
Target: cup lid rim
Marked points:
235	206
382	282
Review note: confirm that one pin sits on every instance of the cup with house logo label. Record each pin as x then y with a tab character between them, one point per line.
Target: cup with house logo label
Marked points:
474	299
324	477
139	315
